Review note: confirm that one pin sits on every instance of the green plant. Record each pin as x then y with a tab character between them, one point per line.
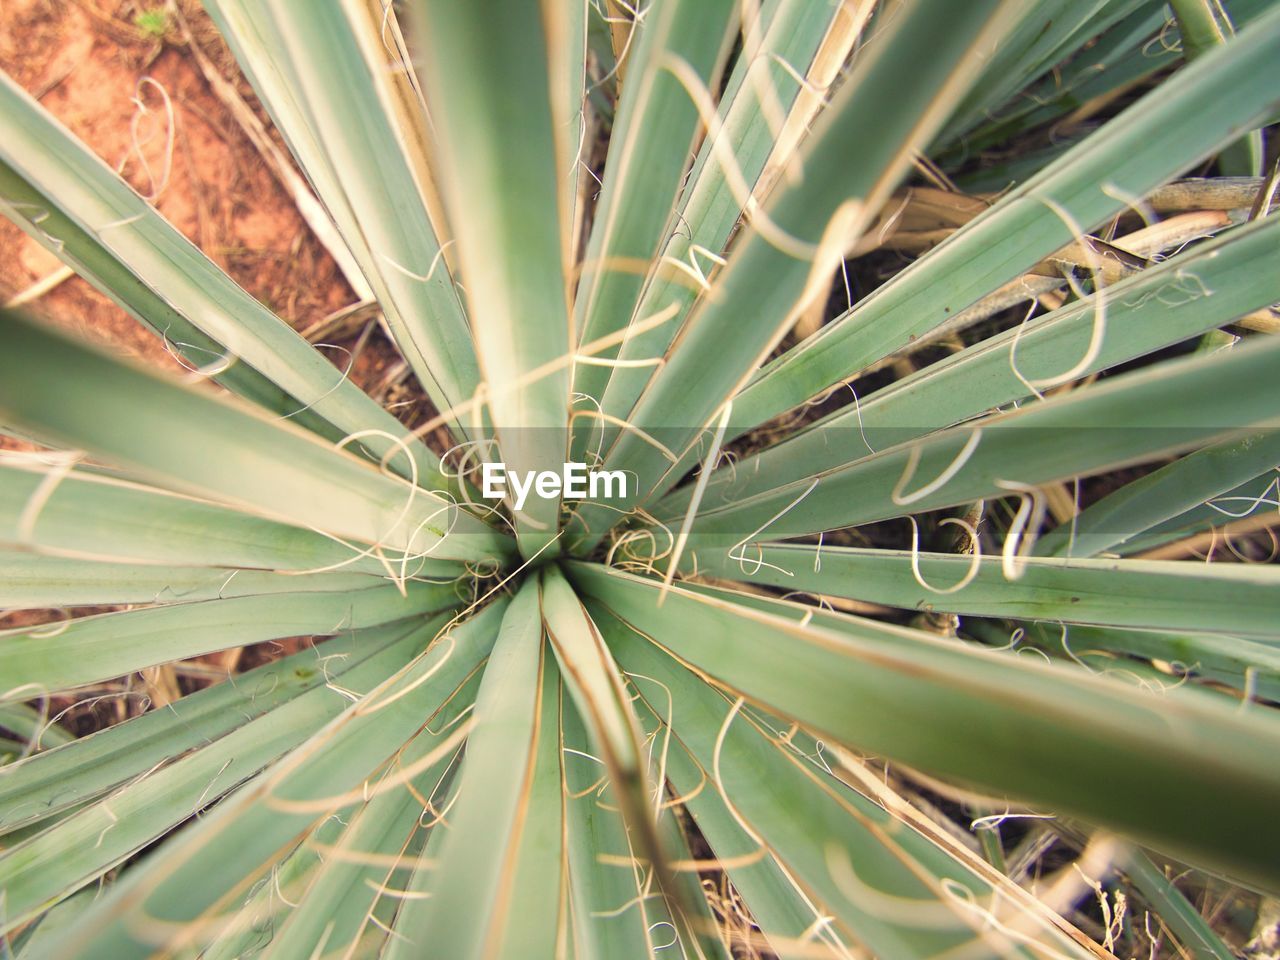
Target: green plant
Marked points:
549	732
152	23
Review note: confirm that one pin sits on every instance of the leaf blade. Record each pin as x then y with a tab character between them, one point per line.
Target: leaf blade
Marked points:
1040	733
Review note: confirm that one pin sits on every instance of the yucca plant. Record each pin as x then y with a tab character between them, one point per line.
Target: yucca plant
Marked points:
742	705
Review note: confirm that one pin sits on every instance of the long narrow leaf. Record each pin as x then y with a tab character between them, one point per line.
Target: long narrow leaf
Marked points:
32	580
70	201
1190	117
648	149
1162	409
96	838
57	780
926	59
507	215
1238	599
1169	493
1179	299
800	40
82	398
1040	733
863	858
501	794
157	901
376	850
324	71
60	657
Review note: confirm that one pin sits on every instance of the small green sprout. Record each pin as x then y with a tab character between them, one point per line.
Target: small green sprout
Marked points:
152	23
